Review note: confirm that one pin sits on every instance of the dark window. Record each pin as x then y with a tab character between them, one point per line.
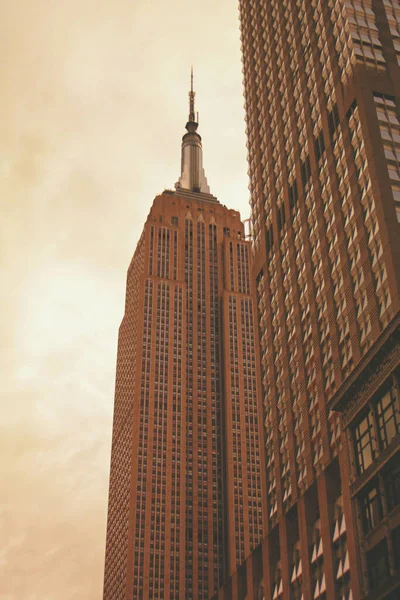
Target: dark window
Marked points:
351	109
293	195
305	171
319	145
364	448
396	547
378	565
270	238
391	477
385	96
333	120
174	220
393	596
281	217
227	231
387	417
371	508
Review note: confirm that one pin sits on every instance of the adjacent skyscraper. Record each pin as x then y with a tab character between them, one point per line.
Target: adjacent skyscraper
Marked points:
322	90
185	501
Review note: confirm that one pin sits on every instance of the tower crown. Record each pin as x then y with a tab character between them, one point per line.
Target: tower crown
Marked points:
193	177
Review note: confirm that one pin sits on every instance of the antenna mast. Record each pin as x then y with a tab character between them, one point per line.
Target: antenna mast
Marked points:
192	94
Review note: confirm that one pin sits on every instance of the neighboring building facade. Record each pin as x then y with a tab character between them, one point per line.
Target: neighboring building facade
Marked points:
322	90
187	401
370	402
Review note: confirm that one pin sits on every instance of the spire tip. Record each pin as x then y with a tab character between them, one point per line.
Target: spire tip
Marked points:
192	94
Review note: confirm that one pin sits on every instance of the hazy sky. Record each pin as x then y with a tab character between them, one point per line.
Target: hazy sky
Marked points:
93	106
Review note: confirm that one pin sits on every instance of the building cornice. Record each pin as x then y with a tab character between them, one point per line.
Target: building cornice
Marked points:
370	373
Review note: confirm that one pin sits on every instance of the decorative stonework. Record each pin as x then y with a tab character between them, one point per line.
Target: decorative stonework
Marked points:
376	377
382	358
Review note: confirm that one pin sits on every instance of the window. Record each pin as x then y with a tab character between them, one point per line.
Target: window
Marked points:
378	565
333	120
293	195
396	547
174	220
371	507
391	478
351	110
270	238
364	447
305	171
281	217
387	417
319	145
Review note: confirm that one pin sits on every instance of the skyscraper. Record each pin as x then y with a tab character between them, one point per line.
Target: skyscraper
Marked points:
185	500
322	92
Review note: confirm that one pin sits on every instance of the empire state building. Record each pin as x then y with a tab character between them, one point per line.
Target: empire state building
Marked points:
187	479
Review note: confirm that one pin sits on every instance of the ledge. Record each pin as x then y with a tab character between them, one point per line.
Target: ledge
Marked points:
372	363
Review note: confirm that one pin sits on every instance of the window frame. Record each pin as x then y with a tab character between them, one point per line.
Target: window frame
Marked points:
369	505
359	447
381	423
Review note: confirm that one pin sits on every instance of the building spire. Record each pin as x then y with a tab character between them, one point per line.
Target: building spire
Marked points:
192	176
192	95
192	123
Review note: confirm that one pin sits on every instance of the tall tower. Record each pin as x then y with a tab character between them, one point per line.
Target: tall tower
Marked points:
187	408
322	92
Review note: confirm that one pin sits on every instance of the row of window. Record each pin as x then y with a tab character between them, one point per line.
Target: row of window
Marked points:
380	497
377	427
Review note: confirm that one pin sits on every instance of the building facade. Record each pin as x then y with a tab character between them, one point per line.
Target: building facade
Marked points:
322	93
187	478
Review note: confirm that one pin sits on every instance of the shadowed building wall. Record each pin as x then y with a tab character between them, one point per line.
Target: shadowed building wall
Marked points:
322	92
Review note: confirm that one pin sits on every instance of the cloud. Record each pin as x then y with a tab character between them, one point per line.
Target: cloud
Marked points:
94	103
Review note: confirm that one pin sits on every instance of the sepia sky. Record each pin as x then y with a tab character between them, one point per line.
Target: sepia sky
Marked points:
93	106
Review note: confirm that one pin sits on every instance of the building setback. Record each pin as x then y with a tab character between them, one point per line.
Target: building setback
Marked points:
322	92
187	478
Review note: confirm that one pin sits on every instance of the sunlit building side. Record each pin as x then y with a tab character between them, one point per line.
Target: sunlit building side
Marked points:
187	480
